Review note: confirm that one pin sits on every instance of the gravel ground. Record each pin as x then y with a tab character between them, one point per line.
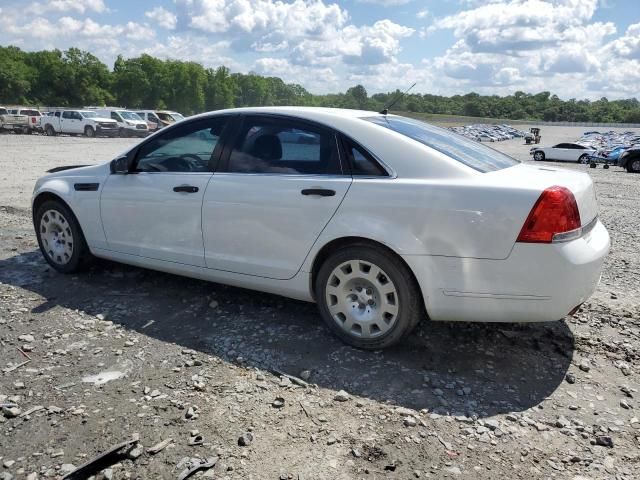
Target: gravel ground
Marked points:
119	353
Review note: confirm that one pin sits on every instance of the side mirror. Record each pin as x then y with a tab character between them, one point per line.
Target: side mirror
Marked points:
121	165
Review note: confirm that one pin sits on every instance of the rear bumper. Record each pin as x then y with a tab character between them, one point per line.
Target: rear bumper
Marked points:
536	283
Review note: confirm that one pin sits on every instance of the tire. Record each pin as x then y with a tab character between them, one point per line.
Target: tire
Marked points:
49	131
538	156
60	237
583	158
592	165
368	297
633	165
89	131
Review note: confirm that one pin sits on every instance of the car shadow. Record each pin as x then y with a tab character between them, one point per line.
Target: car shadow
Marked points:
457	368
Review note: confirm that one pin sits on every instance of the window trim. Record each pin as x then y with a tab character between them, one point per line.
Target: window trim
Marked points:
223	165
214	160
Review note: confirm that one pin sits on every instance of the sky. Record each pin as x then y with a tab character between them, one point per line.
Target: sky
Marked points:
573	48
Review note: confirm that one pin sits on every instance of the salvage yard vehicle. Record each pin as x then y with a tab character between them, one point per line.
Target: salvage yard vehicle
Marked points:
12	120
149	116
167	117
630	159
564	152
33	119
130	124
78	122
380	219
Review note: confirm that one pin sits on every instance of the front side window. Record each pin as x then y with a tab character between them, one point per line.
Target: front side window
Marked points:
130	116
185	149
270	145
468	152
116	117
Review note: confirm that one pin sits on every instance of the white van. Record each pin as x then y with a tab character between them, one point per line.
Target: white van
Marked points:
129	123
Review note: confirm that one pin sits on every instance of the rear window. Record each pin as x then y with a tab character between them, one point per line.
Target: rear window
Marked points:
468	152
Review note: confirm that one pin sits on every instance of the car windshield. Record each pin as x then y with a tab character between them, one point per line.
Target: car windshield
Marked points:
130	116
177	116
89	114
466	151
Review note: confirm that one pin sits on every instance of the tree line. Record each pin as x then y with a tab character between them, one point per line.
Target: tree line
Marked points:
78	78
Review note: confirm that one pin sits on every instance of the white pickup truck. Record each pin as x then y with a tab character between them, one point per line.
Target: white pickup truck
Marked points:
78	122
10	121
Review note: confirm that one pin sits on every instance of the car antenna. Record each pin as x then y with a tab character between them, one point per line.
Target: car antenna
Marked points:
385	110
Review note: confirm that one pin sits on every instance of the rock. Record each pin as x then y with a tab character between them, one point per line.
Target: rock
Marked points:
8	463
107	474
32	476
410	422
453	470
570	378
584	366
11	412
278	402
213	304
135	452
305	375
245	439
341	396
331	440
492	424
66	468
604	441
27	338
562	422
6	476
624	404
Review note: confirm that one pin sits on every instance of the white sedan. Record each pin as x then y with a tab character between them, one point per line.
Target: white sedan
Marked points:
380	219
564	152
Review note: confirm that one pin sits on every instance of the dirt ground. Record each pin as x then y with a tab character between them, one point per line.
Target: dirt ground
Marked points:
120	352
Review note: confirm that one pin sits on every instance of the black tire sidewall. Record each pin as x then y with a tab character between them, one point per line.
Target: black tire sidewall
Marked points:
410	309
80	249
89	132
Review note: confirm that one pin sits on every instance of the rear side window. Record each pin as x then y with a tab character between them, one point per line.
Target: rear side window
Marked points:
468	152
273	145
362	163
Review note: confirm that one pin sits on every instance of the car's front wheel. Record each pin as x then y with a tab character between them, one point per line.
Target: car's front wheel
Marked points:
50	131
368	297
633	166
89	132
583	158
538	156
60	238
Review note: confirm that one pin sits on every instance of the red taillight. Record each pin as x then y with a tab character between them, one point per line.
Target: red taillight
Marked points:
555	212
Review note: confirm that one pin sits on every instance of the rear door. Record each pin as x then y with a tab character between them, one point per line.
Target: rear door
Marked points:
280	182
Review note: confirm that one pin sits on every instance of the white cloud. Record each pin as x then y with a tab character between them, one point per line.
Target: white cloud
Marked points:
386	3
162	17
78	6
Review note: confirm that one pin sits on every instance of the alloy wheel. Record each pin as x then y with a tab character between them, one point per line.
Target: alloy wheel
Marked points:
362	299
56	236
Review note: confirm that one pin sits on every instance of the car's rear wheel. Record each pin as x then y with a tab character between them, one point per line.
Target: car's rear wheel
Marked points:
89	132
633	166
368	297
60	238
538	156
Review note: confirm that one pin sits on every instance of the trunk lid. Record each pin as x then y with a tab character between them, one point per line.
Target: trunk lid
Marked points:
542	177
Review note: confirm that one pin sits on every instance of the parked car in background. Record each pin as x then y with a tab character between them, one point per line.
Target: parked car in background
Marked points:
380	219
33	119
130	124
150	116
167	117
78	122
630	159
10	119
564	152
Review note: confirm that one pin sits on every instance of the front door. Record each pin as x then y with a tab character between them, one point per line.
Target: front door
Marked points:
156	210
278	187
